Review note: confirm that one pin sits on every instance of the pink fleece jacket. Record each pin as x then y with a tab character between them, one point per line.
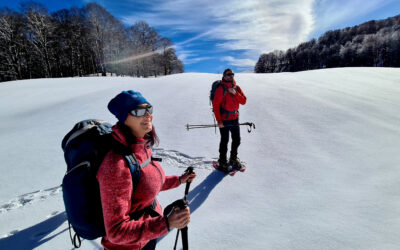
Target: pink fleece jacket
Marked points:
118	201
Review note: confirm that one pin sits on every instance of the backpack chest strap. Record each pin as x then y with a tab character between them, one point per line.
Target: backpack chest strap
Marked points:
150	210
135	168
132	160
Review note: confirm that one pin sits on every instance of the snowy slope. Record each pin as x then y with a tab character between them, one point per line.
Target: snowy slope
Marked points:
323	162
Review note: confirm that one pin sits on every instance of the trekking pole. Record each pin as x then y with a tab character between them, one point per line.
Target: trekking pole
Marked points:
185	242
215	122
188	126
176	239
250	124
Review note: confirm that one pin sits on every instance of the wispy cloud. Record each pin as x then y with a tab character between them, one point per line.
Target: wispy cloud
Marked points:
190	57
329	14
241	63
260	26
197	37
238	31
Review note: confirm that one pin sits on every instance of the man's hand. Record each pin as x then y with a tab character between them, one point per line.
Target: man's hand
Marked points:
220	125
232	91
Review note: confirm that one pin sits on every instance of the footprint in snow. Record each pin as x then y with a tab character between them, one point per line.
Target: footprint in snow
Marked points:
171	158
29	198
177	159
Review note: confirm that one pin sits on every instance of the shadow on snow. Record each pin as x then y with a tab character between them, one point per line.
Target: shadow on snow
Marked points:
38	234
200	193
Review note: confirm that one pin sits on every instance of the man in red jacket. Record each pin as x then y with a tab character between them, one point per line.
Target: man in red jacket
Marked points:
226	102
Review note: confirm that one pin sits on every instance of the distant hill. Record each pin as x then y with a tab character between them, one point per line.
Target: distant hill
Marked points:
371	44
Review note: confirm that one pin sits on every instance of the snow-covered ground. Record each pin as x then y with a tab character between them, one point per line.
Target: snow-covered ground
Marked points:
323	161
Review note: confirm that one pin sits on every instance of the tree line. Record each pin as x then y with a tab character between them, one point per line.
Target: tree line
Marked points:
77	42
371	44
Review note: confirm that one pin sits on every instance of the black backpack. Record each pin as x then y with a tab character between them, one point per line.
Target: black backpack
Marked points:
85	147
214	88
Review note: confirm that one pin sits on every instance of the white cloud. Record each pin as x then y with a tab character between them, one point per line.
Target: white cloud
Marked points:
331	13
196	59
256	25
190	57
241	63
252	27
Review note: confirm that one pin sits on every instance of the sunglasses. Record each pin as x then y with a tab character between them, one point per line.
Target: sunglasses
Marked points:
230	74
141	111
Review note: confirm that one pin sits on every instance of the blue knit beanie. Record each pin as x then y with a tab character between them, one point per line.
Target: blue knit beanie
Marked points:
124	102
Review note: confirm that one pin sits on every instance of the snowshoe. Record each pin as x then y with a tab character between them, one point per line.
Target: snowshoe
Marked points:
237	165
226	168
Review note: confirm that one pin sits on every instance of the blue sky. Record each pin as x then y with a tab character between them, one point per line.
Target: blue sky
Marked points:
210	35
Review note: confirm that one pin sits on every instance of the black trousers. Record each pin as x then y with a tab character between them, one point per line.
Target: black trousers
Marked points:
233	127
151	245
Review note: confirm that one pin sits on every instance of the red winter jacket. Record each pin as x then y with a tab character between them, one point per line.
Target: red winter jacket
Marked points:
228	101
115	183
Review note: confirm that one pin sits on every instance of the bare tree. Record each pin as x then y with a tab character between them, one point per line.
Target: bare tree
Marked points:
40	34
374	43
101	28
79	41
12	45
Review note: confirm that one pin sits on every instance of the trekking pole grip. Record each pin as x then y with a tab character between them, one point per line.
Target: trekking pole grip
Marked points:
189	170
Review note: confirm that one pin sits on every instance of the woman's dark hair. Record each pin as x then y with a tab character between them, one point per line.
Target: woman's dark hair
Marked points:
151	137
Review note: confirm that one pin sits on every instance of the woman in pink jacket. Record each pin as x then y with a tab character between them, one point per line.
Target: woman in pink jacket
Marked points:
134	220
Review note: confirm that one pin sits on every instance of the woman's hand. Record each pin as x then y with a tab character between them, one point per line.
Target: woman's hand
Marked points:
185	177
179	218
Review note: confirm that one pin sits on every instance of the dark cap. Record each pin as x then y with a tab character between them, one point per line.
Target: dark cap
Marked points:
227	70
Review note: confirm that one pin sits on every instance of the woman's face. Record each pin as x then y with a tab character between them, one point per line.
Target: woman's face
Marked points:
140	125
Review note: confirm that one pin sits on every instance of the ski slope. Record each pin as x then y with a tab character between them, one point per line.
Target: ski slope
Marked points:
323	162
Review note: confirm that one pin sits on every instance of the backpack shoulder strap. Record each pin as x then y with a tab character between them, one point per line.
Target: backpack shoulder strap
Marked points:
134	168
130	158
218	83
224	89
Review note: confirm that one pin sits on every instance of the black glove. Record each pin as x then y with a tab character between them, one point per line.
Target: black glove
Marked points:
168	210
178	203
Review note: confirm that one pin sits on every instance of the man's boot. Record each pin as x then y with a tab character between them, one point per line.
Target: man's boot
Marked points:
235	163
223	165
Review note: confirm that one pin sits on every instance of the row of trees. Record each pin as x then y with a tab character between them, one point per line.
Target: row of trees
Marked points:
79	41
374	44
